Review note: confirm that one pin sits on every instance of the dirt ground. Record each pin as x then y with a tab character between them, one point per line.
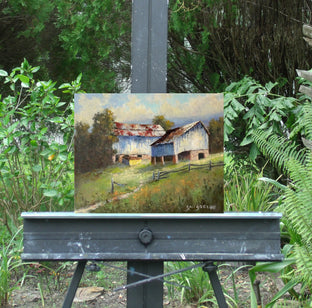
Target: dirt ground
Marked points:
47	288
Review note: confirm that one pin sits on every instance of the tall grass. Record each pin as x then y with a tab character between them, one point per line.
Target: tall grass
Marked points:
10	261
245	192
179	193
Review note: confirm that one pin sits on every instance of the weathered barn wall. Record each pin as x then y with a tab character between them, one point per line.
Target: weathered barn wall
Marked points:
165	149
134	145
194	139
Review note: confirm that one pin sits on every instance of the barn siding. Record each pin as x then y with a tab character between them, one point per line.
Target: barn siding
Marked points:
160	150
194	139
134	145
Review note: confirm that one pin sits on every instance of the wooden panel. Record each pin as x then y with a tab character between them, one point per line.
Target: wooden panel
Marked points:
305	74
306	90
307	31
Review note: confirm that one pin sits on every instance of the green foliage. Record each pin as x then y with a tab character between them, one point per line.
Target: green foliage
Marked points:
211	42
10	262
215	42
277	149
36	140
67	38
302	124
273	267
296	203
243	192
249	106
198	288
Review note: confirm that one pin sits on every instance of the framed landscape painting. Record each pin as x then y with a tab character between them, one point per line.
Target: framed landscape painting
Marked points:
149	153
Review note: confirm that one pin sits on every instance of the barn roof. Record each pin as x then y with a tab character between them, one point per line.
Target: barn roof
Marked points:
144	130
176	132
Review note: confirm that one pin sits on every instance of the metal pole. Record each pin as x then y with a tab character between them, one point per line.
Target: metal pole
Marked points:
149	46
74	284
211	269
148	75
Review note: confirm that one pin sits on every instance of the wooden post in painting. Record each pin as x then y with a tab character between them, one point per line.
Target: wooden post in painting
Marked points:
148	75
112	186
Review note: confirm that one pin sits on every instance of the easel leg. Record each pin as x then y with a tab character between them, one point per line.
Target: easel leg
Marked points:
211	269
149	295
74	284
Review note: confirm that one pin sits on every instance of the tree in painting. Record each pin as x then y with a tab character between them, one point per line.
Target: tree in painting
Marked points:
94	149
216	130
102	139
163	122
82	143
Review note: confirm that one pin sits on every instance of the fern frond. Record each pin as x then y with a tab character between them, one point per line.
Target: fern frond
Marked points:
277	149
297	202
303	257
303	124
307	120
298	199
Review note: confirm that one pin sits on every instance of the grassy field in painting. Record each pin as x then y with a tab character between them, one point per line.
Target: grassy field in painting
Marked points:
195	191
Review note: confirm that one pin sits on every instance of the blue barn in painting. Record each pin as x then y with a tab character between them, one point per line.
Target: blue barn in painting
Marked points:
188	142
134	141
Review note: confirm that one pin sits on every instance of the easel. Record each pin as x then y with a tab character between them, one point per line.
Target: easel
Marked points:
147	240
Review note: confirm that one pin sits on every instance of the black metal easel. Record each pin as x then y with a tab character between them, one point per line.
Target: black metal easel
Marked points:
145	241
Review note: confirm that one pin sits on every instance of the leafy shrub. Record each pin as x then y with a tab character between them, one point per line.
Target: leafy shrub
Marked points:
36	138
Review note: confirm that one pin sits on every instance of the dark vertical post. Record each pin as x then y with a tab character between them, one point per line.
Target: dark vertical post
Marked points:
74	284
211	269
148	75
149	46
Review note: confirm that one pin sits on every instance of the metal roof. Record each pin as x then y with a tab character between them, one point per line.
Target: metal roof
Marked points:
144	130
176	132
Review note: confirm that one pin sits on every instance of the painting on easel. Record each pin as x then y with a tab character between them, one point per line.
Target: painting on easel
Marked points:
149	153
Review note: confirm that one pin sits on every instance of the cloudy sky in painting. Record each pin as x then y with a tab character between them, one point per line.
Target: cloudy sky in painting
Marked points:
141	108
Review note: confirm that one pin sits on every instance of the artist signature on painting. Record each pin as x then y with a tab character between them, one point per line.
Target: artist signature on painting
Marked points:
198	207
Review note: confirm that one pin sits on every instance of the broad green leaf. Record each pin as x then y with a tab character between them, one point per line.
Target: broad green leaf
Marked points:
24	79
57	120
272	267
247	140
270	85
287	287
62	157
46	152
35	69
275	117
237	106
37	168
34	143
3	73
44	130
65	85
273	182
50	193
254	152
